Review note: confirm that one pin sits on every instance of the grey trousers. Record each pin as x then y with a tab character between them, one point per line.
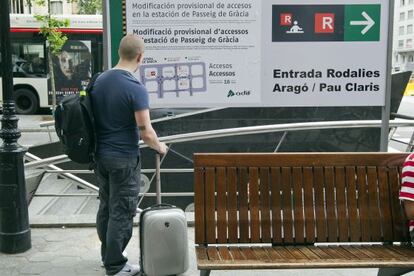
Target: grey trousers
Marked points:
118	180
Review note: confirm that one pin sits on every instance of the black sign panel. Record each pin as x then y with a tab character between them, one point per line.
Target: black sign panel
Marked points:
307	23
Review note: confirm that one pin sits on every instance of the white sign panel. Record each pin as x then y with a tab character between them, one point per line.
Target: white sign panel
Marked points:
262	53
199	53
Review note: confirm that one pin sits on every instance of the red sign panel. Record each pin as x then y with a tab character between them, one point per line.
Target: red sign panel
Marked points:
324	23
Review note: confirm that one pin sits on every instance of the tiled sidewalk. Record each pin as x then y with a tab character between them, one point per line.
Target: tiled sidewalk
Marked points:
75	251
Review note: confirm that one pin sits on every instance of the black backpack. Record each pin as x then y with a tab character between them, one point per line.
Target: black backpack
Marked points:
75	125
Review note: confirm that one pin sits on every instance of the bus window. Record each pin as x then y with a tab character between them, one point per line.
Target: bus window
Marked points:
28	60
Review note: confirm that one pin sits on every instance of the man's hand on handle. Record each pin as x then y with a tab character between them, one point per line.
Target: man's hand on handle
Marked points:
147	132
162	148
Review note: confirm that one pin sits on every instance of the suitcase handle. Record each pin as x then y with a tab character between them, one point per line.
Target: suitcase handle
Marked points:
158	177
163	205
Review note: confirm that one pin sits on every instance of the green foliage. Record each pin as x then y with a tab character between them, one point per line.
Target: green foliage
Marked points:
29	3
40	2
89	6
50	30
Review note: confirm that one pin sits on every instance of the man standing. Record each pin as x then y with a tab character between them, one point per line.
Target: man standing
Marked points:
121	109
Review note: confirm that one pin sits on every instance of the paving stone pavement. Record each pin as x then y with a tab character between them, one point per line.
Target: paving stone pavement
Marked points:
75	251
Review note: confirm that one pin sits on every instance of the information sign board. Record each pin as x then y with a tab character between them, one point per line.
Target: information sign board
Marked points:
239	53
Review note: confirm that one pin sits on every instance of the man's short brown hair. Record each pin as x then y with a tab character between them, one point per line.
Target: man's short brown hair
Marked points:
130	47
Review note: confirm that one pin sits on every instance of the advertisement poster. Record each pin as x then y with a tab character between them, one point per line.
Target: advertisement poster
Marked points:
72	68
198	53
262	53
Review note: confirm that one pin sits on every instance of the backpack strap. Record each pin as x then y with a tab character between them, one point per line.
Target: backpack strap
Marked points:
88	108
90	85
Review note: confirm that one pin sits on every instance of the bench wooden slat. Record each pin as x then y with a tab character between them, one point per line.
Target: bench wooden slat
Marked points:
297	254
341	252
354	221
309	204
287	205
397	212
284	252
265	205
331	210
309	253
243	206
335	253
367	252
380	253
404	250
274	254
210	205
276	205
374	211
345	248
343	221
298	206
199	206
225	253
359	254
385	204
213	254
298	159
248	253
254	204
394	254
201	253
319	252
308	257
232	204
221	202
363	203
236	254
261	254
320	205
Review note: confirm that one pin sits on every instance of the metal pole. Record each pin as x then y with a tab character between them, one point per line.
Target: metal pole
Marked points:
106	19
15	234
386	109
158	177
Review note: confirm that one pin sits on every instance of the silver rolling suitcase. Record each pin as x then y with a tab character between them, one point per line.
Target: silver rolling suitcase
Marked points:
163	237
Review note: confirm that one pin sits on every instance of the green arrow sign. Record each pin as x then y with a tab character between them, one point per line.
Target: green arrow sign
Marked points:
362	22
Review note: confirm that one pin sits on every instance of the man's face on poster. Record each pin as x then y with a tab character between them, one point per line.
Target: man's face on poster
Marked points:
66	64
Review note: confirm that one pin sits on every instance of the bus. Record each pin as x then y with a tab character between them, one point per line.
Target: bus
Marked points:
80	58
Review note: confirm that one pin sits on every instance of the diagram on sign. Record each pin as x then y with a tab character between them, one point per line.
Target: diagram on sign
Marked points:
326	23
174	78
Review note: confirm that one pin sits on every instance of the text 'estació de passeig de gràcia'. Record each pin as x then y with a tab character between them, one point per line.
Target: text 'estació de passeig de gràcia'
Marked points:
351	86
191	35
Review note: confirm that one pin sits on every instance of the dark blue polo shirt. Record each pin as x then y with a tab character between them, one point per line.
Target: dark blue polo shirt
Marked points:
116	95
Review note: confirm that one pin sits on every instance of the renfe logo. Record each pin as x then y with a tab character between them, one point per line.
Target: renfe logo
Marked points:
286	19
353	22
324	23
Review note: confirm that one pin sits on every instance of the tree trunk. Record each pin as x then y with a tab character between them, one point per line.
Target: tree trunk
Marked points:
51	69
52	78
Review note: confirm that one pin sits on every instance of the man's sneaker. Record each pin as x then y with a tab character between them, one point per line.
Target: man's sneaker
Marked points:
129	270
123	253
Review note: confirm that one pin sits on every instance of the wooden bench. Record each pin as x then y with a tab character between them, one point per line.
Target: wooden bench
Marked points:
299	210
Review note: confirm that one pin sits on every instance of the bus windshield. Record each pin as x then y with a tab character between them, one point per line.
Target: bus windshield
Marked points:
79	59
